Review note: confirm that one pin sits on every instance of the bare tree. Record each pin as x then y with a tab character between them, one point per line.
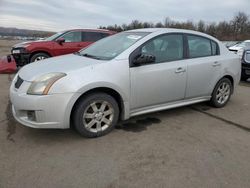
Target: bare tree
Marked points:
236	29
239	25
201	26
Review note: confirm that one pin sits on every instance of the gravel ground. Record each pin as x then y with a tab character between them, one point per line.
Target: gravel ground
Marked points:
194	146
5	46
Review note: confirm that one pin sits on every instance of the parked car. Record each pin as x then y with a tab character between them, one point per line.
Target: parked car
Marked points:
245	74
61	43
229	44
124	75
239	48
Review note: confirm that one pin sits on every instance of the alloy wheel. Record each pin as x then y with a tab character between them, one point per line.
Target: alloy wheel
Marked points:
98	116
223	93
39	58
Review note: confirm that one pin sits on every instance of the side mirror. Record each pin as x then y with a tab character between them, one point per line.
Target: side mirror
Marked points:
60	40
144	59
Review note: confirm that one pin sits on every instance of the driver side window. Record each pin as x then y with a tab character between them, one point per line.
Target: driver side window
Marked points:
165	48
72	37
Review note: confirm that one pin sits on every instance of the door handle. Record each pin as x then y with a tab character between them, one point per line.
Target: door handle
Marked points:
180	70
216	63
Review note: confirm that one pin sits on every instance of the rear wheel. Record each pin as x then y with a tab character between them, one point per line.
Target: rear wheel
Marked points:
95	115
38	57
222	93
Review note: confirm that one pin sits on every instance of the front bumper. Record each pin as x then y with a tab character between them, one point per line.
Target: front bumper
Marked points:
245	70
22	58
45	111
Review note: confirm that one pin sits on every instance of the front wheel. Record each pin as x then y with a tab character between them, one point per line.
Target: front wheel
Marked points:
95	115
38	57
222	93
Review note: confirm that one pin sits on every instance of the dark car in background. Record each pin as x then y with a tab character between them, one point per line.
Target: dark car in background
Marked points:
245	73
61	43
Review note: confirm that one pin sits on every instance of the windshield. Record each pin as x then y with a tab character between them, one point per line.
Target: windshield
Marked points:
110	47
53	37
242	44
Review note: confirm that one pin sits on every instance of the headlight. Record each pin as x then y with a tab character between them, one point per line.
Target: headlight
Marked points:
16	51
42	84
19	50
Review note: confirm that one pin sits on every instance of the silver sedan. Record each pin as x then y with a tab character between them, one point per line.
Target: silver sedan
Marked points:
124	75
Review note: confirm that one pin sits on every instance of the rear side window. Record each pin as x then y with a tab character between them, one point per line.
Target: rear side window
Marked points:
92	36
202	47
199	46
105	34
215	50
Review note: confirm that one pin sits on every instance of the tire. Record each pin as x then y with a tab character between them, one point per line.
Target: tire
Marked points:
222	93
89	117
38	57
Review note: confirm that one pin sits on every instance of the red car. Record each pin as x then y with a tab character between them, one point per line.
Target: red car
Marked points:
59	44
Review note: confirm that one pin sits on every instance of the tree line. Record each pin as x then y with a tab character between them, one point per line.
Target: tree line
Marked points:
24	32
236	29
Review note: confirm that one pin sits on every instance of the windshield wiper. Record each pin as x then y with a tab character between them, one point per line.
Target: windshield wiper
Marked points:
91	56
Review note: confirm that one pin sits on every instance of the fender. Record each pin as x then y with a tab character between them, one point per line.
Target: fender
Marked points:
81	91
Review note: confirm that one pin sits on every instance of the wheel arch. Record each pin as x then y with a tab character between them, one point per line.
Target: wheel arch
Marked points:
231	80
39	51
230	77
115	94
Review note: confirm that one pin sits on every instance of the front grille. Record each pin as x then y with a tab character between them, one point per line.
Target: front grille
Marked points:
247	72
19	82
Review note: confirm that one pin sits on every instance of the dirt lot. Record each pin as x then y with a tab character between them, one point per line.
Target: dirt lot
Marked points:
5	46
194	146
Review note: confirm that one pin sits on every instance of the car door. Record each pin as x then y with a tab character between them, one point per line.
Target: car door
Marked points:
204	66
72	43
164	80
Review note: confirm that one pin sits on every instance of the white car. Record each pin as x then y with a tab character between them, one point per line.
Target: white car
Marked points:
124	75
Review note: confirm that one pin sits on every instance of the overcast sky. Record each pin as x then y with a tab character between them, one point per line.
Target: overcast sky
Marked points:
56	15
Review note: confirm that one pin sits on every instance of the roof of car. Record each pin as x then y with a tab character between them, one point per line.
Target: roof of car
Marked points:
171	30
152	30
99	30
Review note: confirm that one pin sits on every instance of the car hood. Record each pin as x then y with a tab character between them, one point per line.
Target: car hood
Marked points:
25	44
64	64
235	48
